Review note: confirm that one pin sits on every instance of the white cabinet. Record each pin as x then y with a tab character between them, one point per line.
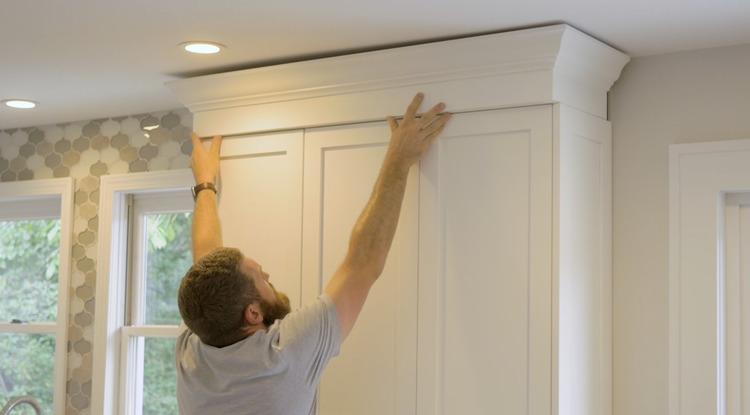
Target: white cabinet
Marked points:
486	265
376	370
495	297
261	203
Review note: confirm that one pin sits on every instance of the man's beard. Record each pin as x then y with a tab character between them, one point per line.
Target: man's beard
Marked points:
276	310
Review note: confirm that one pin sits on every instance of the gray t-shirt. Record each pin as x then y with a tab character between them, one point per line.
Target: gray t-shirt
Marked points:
271	372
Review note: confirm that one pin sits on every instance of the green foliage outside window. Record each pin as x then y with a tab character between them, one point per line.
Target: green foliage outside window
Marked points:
29	263
169	257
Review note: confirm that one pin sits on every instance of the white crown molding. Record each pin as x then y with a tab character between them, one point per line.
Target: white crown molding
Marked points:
527	67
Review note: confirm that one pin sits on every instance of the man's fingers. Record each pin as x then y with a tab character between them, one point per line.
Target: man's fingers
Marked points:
215	146
411	110
392	123
196	140
434	110
431	116
436	125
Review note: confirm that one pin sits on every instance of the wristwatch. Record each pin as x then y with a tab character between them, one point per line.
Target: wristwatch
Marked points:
203	186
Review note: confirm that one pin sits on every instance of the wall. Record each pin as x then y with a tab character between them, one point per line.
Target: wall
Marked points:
660	100
85	151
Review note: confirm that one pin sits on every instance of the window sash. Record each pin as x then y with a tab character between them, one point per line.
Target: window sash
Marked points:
45	199
29	328
30	208
132	355
142	206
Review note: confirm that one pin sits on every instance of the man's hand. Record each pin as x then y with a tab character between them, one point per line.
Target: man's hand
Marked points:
414	134
205	163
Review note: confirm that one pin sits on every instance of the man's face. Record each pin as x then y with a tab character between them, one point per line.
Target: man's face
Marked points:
274	304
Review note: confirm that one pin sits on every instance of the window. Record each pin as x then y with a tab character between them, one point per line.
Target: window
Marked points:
35	246
144	250
160	255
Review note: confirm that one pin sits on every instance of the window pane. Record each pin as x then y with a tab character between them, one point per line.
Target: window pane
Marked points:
159	378
168	258
27	367
29	263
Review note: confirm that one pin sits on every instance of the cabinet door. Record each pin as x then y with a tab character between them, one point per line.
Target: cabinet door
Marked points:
485	265
260	203
375	372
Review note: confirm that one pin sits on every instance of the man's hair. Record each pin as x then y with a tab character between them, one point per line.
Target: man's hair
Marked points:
213	296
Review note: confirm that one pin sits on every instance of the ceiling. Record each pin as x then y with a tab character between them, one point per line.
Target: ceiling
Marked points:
90	59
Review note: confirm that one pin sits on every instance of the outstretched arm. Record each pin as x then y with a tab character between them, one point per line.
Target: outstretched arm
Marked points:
373	232
206	231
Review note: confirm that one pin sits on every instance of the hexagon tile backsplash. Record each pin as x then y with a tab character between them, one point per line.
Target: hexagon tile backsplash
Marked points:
85	151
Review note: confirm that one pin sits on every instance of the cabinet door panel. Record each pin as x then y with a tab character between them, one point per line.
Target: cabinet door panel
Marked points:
260	203
485	265
376	370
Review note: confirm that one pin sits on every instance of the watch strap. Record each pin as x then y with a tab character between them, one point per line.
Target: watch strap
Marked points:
203	186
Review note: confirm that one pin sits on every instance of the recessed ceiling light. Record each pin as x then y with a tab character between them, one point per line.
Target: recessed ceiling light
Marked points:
19	103
205	48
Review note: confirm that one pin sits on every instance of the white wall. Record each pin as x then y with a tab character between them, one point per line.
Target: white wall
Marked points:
659	100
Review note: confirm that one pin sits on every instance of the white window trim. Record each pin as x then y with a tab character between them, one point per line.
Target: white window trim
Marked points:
63	189
111	271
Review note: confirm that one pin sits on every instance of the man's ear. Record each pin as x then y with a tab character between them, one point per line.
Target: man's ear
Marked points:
253	314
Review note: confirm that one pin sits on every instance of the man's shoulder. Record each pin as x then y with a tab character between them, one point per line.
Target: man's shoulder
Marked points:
309	322
322	308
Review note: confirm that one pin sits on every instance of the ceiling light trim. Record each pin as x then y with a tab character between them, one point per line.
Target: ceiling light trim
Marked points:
202	47
19	103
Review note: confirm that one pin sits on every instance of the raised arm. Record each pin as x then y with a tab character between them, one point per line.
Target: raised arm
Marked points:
206	231
373	232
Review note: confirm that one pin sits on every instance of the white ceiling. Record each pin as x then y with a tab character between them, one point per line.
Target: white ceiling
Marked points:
90	59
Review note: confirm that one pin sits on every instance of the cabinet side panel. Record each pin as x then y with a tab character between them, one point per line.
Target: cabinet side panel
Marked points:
584	297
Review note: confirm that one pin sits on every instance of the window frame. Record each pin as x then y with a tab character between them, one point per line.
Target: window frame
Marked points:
52	191
109	372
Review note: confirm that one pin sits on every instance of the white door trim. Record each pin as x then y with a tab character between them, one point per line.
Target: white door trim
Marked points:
701	175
